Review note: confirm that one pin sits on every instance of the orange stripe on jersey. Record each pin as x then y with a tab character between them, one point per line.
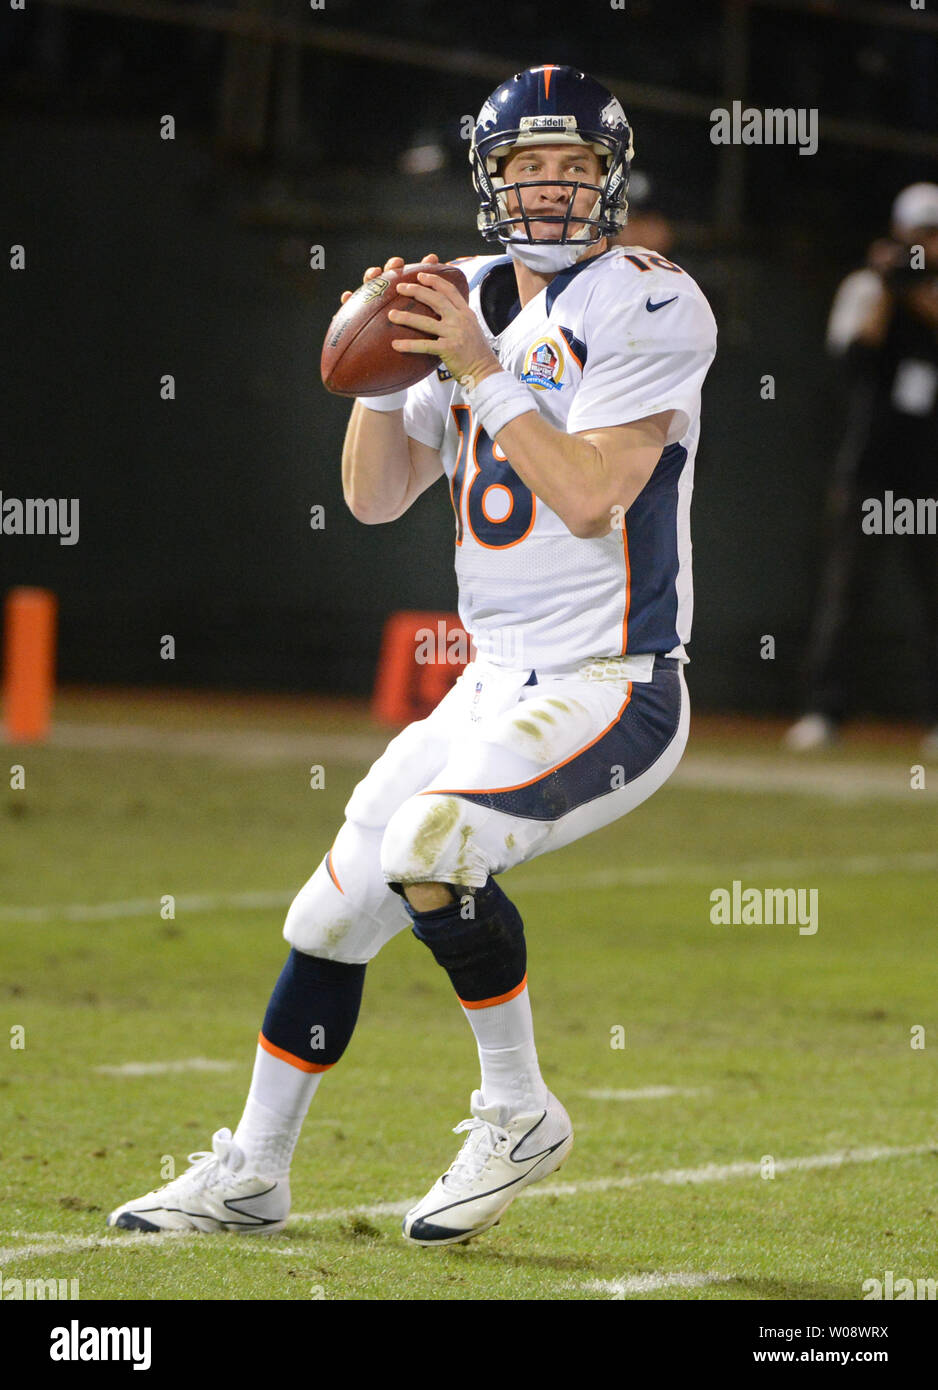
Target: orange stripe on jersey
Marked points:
628	589
492	791
289	1057
497	999
332	874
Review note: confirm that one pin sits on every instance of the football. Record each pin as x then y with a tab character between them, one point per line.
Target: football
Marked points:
357	356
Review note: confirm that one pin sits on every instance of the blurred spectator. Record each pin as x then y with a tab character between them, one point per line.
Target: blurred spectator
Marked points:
884	327
647	226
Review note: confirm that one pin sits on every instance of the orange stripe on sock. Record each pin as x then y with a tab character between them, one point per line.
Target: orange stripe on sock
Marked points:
497	999
289	1057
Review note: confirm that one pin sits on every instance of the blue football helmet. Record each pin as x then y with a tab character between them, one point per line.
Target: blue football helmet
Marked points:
551	105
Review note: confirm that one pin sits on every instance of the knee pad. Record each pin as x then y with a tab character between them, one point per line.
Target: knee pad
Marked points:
479	942
345	911
433	838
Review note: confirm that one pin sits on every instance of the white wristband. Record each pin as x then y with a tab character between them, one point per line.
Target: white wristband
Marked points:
394	401
498	399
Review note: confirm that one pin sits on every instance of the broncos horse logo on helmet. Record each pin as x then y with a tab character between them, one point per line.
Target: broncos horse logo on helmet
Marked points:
551	105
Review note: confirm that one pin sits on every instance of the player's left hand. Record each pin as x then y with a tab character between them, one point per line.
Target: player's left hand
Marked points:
456	337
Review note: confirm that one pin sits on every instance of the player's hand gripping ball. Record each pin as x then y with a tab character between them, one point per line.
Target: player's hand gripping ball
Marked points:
357	356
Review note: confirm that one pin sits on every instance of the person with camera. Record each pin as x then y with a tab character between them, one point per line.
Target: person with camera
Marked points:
883	325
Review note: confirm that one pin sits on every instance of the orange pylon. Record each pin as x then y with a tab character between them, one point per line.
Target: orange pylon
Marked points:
410	684
28	663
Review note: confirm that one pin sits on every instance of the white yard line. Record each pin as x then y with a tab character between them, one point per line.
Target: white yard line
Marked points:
646	1093
150	907
41	1243
249	746
771	870
45	1243
711	1172
832	781
838	781
161	1068
648	1283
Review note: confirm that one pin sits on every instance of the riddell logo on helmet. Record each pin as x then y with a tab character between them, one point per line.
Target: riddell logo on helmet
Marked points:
547	122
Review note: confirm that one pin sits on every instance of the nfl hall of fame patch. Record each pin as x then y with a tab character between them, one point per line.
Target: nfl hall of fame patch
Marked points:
544	365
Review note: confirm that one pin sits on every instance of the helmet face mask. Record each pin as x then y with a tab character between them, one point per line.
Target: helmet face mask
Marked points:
517	226
550	106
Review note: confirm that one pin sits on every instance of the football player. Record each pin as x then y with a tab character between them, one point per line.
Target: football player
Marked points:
565	419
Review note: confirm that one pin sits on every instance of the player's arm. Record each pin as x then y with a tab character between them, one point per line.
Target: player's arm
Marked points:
581	477
584	477
384	471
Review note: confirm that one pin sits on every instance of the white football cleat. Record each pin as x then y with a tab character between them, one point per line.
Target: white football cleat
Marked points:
212	1195
812	732
500	1156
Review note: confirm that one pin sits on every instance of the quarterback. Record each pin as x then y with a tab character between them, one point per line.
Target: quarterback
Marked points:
564	417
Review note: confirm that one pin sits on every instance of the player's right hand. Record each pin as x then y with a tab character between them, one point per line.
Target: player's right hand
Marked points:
395	263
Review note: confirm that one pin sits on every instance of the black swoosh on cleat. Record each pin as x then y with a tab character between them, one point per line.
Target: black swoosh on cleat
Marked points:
426	1230
660	305
128	1222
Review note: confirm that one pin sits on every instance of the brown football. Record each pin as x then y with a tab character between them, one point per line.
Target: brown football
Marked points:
357	356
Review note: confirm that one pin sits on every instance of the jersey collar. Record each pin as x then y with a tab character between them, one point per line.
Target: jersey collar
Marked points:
562	279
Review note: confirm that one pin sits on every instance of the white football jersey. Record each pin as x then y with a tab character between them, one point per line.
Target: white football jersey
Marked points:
616	338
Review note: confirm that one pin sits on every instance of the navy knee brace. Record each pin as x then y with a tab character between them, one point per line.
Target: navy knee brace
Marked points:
478	940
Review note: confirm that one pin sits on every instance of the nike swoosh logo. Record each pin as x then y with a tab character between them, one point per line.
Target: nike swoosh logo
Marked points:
232	1205
542	1153
660	305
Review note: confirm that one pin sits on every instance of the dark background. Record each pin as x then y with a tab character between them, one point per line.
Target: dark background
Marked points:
191	256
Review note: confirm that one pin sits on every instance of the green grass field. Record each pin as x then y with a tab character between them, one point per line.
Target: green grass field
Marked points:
778	1048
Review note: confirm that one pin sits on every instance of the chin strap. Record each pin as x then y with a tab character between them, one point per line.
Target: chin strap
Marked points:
547	259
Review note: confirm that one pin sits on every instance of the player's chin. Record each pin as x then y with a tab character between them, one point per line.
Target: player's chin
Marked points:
554	231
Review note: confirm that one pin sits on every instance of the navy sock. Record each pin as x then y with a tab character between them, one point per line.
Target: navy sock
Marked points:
314	1008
